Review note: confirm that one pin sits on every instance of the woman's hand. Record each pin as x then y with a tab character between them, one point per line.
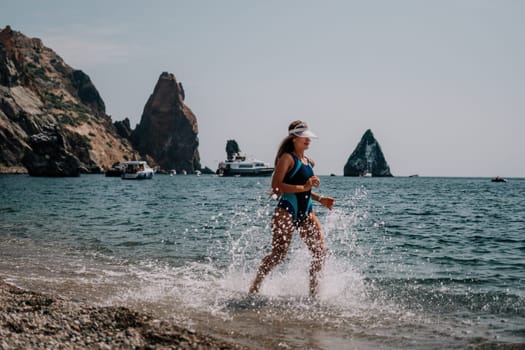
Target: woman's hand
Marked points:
327	202
313	181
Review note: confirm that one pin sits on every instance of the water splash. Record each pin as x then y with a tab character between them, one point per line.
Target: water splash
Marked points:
214	285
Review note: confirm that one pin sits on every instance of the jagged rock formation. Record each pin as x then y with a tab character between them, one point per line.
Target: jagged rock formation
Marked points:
232	148
367	158
168	128
123	128
51	115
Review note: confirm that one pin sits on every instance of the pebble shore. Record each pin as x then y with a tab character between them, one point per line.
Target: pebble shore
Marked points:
30	320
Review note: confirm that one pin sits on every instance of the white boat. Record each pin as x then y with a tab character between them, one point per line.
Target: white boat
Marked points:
238	165
136	170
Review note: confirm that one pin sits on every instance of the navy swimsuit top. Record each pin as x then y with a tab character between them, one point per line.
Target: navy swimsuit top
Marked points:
298	204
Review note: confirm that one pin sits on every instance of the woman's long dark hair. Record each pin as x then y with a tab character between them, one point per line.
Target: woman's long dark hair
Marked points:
287	144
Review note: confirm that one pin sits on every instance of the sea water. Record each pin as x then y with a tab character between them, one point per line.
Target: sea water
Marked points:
422	263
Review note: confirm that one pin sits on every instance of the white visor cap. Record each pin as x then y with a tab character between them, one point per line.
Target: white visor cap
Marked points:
301	130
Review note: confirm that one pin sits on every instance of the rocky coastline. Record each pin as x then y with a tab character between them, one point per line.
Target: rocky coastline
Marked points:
53	120
31	320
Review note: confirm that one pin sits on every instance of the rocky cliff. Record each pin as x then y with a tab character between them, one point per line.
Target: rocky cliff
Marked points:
52	118
367	158
168	129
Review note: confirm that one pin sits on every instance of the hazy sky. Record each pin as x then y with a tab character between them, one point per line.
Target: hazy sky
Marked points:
440	83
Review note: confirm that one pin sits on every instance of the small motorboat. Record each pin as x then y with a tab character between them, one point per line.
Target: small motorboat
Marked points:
136	170
498	179
115	170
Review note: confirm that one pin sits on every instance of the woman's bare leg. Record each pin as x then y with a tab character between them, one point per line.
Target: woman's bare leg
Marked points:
312	235
282	229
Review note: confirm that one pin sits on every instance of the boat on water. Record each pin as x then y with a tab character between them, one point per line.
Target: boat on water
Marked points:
136	170
238	165
114	171
498	179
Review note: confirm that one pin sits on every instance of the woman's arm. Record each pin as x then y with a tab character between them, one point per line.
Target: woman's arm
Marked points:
325	201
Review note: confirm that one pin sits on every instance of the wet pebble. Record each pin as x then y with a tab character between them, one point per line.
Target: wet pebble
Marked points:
31	320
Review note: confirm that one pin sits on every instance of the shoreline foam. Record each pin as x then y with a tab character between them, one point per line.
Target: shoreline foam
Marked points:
32	320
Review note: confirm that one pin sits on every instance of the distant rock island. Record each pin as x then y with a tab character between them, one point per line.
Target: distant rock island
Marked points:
53	120
367	159
168	128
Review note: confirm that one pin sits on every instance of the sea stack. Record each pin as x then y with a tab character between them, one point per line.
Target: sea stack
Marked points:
168	129
367	159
